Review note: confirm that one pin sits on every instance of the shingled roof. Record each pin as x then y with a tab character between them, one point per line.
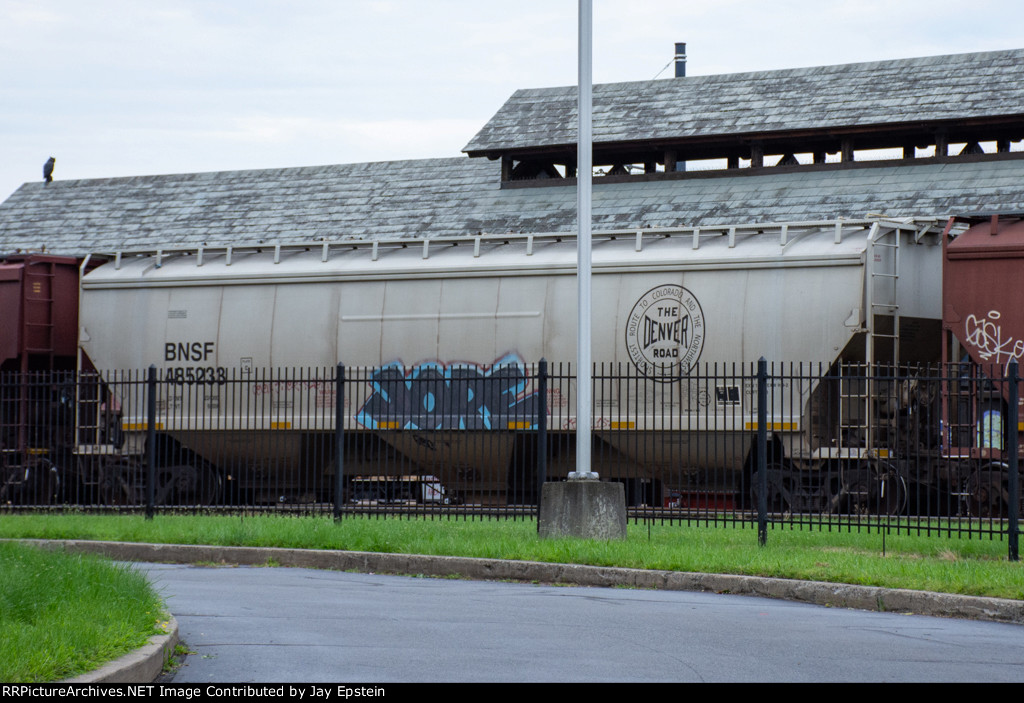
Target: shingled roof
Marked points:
953	87
461	196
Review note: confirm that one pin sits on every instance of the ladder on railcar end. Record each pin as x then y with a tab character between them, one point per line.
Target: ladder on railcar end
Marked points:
854	403
98	416
860	387
37	316
88	409
36	334
883	352
883	274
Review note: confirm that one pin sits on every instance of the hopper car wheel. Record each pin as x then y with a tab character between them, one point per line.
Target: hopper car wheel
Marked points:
33	485
120	484
875	490
185	484
124	483
8	486
45	484
986	494
780	496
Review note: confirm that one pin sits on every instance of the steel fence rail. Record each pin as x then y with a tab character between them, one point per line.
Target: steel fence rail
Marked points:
922	449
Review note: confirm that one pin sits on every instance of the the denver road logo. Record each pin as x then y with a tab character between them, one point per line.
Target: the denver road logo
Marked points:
665	332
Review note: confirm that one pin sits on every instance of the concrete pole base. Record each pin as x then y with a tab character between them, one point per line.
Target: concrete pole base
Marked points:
588	509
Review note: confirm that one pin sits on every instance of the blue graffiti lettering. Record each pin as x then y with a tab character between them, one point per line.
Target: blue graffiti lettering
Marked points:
460	396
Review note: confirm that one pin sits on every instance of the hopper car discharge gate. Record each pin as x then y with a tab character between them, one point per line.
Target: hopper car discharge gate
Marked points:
824	455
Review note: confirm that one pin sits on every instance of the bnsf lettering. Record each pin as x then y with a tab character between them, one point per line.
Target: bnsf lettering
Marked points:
188	351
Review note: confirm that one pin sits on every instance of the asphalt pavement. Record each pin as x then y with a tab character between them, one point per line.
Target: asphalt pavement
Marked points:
260	624
364	618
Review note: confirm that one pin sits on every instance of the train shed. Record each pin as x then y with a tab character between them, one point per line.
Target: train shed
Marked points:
912	138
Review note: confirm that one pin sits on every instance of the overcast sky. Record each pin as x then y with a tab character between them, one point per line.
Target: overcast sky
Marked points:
130	87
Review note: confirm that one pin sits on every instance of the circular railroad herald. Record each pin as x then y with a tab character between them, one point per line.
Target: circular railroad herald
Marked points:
665	332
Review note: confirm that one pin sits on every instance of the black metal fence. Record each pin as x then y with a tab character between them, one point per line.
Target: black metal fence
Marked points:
924	449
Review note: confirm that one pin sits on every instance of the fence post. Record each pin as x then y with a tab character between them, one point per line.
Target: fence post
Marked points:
339	440
1014	482
150	441
762	451
542	431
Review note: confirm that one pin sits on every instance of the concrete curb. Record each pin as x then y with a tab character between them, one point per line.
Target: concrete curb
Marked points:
815	592
143	665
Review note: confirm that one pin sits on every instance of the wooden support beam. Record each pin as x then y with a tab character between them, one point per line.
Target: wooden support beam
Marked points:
506	168
732	162
756	156
1002	146
846	149
941	144
670	160
819	157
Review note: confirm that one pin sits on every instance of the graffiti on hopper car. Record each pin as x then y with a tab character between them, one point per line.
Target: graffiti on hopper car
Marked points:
986	335
454	396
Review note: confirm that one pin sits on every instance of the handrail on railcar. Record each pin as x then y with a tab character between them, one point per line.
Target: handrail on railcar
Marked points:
785	231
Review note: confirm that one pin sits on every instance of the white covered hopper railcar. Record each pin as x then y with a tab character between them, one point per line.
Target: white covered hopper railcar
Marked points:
666	302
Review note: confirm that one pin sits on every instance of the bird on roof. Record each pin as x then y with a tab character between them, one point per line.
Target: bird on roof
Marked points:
48	169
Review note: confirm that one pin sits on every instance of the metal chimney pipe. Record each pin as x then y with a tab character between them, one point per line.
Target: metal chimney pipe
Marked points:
680	59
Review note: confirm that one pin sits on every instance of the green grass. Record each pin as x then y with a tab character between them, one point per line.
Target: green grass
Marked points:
944	564
65	614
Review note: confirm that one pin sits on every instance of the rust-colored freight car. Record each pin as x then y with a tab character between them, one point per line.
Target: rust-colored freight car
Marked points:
38	334
983	323
38	313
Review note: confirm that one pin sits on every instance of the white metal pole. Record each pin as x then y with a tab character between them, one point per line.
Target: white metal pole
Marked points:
584	174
